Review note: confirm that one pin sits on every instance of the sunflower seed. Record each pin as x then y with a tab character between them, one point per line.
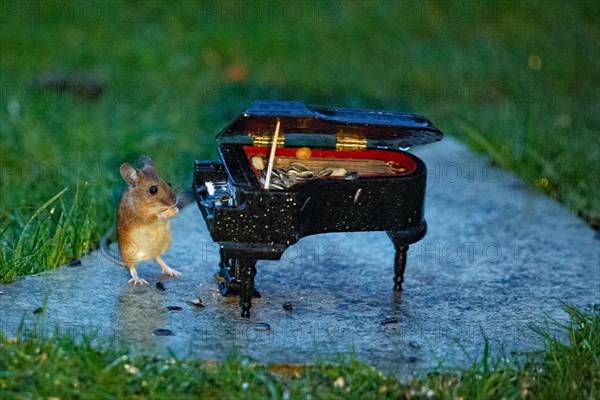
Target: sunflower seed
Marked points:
279	173
339	171
290	181
262	326
258	162
196	303
325	172
298	166
163	332
75	263
306	174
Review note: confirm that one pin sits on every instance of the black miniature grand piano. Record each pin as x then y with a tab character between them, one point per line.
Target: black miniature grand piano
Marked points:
331	170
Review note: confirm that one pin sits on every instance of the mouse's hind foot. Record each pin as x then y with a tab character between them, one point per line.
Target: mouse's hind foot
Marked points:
167	270
172	273
135	279
138	281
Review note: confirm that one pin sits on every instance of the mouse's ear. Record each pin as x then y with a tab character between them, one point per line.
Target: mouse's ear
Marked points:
147	163
129	174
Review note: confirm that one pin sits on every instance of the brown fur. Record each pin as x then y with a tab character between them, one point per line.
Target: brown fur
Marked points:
143	218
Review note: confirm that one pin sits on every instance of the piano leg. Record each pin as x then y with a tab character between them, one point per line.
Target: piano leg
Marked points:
226	277
238	268
229	277
401	246
247	273
401	240
399	266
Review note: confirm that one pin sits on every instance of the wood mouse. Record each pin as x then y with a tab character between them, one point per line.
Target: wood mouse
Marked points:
143	218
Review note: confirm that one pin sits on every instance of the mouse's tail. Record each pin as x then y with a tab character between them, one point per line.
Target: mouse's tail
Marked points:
105	250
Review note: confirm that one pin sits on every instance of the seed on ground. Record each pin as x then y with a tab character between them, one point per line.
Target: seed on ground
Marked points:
196	302
262	326
75	263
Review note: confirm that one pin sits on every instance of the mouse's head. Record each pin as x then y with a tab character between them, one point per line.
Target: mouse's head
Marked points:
149	191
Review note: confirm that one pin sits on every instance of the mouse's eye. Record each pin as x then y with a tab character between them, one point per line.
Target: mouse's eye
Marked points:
169	183
153	189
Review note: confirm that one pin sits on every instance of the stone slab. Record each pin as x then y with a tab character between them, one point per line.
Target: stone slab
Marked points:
498	258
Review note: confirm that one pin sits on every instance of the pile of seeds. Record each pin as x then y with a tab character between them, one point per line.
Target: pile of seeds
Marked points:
296	173
288	171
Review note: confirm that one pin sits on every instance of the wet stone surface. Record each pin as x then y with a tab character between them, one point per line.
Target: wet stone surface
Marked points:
497	259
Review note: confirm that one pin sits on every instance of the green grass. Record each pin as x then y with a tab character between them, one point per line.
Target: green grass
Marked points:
518	81
64	366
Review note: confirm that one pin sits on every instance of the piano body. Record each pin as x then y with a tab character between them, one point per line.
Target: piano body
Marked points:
334	170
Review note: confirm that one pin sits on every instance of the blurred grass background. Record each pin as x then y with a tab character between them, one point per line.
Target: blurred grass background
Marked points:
517	80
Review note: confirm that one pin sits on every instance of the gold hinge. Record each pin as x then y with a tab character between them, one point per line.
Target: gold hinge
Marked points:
266	139
350	141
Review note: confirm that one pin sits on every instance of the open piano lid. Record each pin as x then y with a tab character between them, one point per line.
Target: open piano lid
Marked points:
320	127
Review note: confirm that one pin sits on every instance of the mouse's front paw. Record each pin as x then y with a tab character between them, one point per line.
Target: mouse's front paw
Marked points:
138	281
